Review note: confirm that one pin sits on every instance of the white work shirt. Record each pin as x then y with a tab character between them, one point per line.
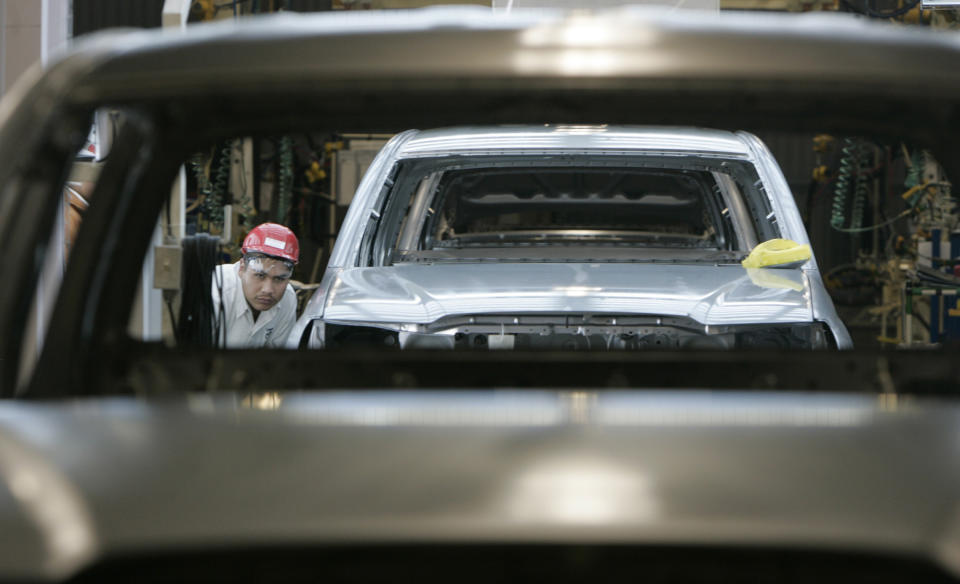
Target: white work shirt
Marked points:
239	331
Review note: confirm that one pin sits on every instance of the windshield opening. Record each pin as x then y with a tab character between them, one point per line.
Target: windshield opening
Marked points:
572	208
550	206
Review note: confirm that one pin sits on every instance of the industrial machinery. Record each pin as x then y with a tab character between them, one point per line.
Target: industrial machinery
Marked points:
898	234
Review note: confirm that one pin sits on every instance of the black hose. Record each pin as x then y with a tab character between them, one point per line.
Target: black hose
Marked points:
880	14
893	13
199	325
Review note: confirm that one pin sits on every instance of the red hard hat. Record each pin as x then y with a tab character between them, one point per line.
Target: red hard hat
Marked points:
272	239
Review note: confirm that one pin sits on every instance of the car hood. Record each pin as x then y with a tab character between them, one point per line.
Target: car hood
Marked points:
708	294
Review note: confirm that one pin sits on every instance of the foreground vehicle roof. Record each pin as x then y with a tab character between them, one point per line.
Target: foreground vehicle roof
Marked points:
94	480
643	43
634	48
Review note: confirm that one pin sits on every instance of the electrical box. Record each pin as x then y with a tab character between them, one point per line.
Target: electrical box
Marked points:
166	267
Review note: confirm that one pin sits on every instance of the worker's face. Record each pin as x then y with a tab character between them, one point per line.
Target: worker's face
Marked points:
264	281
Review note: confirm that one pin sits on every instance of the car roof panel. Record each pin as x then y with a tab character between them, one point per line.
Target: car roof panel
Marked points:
572	138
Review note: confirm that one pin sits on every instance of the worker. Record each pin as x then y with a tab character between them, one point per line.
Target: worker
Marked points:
259	306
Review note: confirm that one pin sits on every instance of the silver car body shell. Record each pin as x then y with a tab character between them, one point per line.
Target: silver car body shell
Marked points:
710	295
84	481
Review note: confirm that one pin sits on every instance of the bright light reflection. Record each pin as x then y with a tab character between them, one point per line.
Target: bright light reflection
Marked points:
412	408
585	491
585	33
543	408
53	504
580	61
577	290
696	409
580	129
262	401
588	32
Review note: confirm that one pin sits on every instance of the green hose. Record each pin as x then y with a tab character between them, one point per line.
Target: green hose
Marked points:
285	178
851	179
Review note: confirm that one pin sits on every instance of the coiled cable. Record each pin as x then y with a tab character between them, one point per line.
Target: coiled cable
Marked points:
199	324
211	192
861	189
842	184
285	178
852	179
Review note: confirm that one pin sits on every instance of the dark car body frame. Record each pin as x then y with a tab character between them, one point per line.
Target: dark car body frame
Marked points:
833	73
853	482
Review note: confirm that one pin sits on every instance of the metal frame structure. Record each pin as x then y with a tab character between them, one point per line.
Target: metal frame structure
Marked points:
395	73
